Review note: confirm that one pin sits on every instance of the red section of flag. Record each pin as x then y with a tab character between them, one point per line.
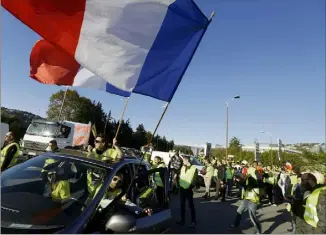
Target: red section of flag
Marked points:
50	65
57	21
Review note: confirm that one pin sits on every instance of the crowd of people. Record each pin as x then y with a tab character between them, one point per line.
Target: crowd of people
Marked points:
303	192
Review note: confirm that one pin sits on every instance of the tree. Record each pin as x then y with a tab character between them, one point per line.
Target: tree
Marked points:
139	137
69	109
183	149
81	109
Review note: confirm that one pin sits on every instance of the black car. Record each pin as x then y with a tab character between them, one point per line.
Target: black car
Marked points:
27	207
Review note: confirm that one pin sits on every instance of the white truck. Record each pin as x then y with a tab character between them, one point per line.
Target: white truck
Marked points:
67	134
4	131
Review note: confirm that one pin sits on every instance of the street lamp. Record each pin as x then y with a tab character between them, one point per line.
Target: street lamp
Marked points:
227	125
271	144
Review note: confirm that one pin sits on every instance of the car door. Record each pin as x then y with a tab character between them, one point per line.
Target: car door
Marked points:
161	217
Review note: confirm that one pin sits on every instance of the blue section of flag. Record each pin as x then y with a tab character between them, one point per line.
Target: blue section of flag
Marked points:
113	90
172	50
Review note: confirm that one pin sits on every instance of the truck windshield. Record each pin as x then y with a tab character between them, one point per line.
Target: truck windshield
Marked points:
43	129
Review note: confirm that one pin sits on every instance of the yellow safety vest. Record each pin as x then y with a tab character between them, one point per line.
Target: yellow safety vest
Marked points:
310	214
47	162
229	173
61	190
186	177
4	152
157	177
294	181
215	172
270	180
253	194
209	171
147	157
109	154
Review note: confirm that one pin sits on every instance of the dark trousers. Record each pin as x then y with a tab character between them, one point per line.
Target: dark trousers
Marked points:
251	207
270	192
229	185
220	190
187	195
160	195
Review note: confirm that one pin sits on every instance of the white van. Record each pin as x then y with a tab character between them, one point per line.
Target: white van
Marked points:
4	131
67	134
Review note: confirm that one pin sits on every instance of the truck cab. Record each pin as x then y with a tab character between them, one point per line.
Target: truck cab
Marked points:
67	134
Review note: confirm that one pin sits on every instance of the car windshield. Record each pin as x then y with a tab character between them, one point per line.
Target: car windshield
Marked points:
194	161
43	129
47	192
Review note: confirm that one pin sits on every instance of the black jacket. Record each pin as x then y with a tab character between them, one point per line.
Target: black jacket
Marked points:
221	172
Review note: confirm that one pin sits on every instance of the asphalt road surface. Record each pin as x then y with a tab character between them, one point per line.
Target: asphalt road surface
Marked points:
216	216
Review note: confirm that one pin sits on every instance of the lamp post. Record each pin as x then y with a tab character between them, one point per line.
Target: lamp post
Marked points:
227	125
271	143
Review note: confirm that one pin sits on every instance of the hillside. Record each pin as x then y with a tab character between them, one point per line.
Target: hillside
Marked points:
18	120
24	117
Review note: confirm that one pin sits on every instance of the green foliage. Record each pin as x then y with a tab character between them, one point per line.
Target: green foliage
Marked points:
183	149
18	120
81	109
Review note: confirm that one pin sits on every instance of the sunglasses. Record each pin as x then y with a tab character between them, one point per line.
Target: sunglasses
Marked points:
98	141
116	179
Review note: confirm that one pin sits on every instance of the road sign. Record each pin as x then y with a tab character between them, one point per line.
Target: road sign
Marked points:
257	153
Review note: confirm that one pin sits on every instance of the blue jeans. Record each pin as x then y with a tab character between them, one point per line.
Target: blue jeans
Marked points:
252	208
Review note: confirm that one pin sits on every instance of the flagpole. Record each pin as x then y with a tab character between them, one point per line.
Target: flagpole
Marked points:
121	118
149	142
63	101
158	124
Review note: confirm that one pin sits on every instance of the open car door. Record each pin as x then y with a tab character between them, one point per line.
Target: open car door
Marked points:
146	197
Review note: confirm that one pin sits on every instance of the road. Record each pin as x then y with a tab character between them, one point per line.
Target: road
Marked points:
215	217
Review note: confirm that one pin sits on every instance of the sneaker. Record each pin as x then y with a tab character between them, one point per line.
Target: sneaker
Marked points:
193	225
274	204
290	230
181	222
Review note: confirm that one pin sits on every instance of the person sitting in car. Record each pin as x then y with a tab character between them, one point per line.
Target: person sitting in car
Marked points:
115	190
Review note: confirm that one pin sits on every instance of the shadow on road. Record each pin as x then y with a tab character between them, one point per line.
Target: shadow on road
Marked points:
216	216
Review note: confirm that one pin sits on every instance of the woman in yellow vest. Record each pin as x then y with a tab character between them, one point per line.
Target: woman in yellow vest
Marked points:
9	152
187	181
158	163
313	218
250	200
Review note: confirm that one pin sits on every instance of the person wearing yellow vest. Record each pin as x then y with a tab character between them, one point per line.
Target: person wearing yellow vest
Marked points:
229	173
269	180
187	181
158	163
250	200
291	184
208	177
9	152
115	190
59	187
311	210
100	152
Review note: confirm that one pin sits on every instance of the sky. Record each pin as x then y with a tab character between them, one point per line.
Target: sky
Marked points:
270	52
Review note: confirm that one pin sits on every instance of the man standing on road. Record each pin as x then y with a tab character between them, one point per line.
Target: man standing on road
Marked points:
220	181
187	182
175	165
250	202
9	152
229	173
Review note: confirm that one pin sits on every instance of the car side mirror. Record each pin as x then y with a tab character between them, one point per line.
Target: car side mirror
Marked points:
120	223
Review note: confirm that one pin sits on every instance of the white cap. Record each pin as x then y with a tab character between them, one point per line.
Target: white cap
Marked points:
244	162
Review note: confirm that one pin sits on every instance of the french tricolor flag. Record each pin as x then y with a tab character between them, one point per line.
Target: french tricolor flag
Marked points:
120	46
